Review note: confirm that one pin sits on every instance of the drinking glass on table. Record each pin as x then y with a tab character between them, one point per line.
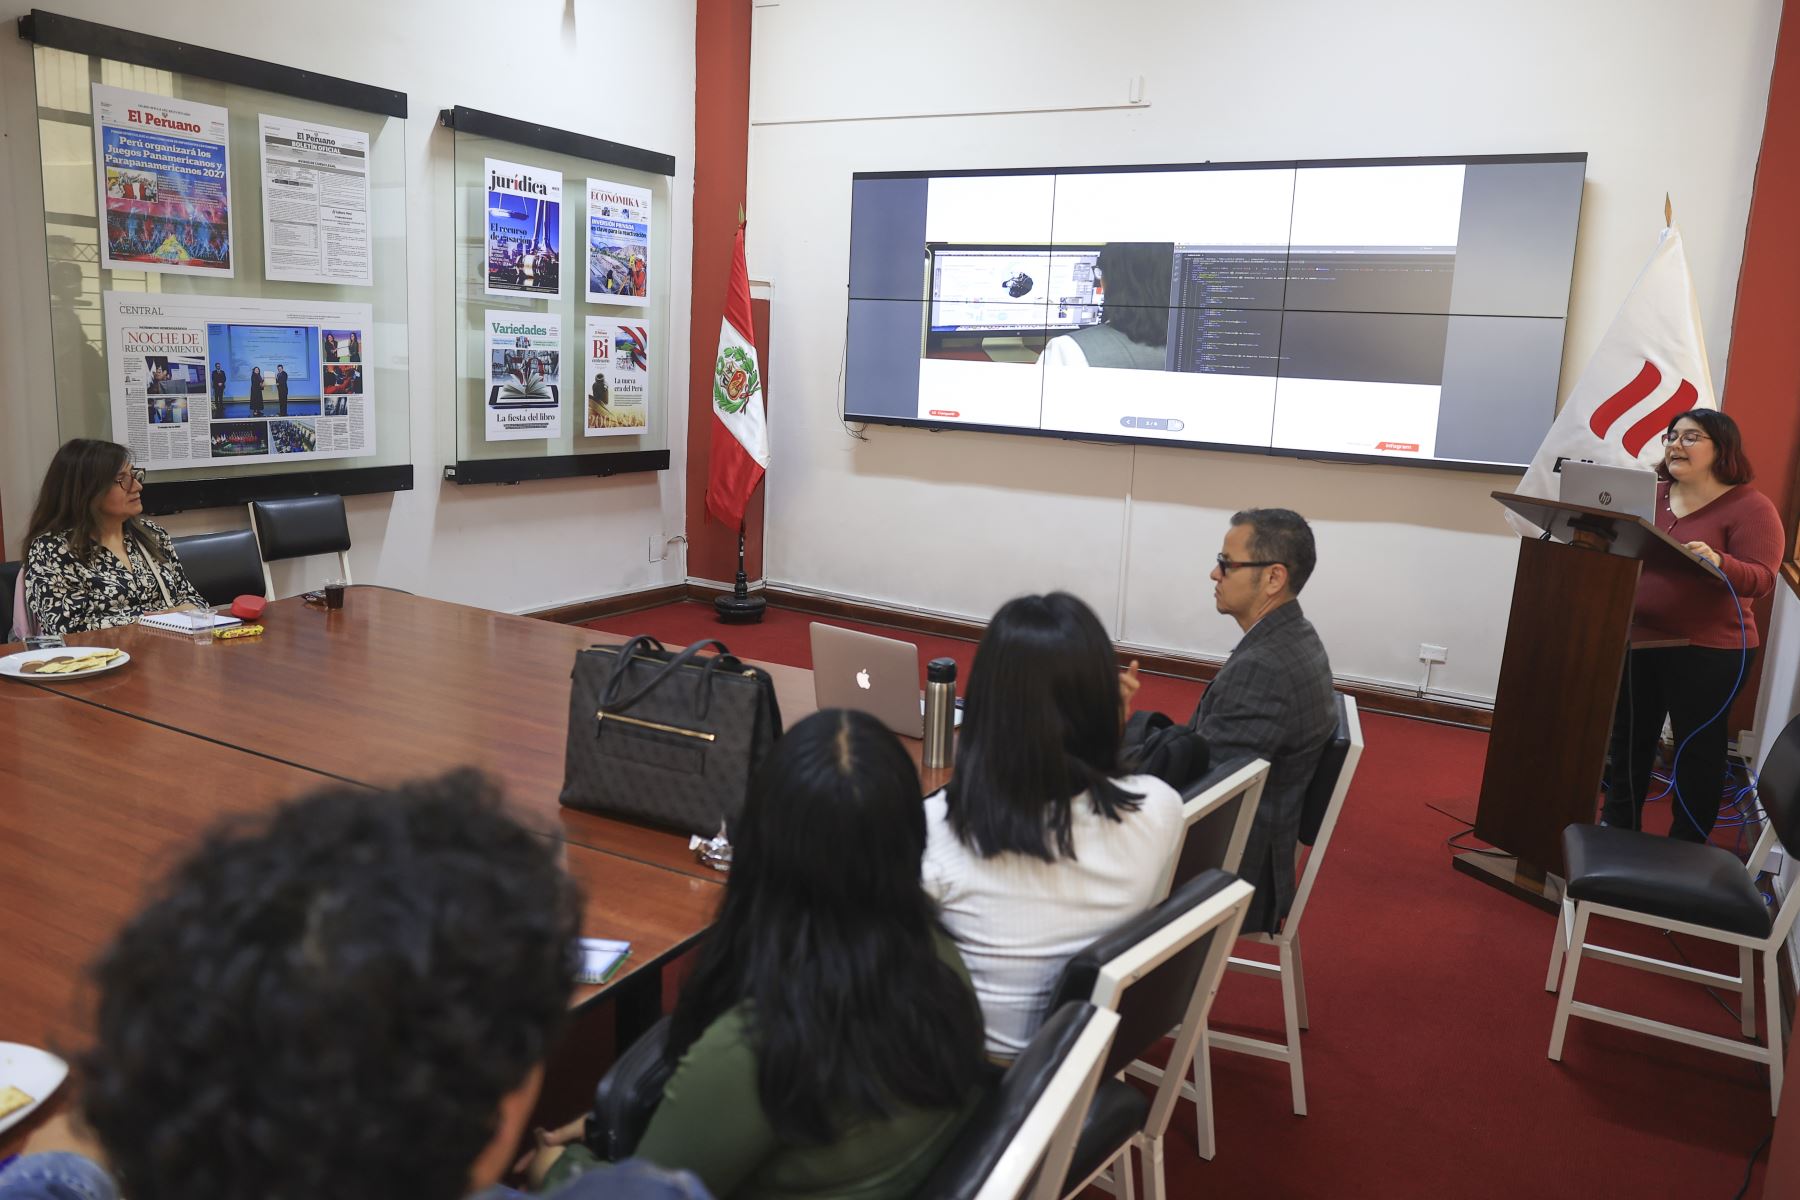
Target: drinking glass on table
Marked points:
334	593
203	625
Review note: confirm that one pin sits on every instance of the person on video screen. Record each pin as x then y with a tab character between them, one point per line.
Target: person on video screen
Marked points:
1134	320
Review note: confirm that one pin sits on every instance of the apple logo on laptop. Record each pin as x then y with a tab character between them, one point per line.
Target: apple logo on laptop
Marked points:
862	679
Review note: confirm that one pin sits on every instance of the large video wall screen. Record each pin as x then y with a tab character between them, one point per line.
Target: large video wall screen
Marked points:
1408	310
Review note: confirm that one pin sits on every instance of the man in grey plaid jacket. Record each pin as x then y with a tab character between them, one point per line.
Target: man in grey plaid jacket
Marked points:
1273	697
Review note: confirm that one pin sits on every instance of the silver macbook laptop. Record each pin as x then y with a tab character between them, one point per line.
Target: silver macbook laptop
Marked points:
1628	490
878	675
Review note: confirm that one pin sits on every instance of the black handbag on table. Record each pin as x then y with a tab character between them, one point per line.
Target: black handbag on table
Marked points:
666	738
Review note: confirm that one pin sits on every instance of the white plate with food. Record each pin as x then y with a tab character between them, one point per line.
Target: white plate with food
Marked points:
64	662
28	1077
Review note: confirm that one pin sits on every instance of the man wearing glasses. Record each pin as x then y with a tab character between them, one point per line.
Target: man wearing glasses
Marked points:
1273	697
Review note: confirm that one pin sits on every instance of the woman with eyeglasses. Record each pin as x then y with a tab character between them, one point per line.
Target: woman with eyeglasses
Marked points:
1705	502
91	560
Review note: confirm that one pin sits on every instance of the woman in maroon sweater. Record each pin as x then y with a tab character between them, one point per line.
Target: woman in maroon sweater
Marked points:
1704	502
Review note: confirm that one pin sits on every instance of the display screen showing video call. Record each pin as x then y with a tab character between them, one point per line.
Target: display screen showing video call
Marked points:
1407	310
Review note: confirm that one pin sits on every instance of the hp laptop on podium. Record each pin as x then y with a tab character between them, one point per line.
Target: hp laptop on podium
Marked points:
1628	490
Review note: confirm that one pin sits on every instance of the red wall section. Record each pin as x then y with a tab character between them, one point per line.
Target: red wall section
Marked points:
1762	375
721	159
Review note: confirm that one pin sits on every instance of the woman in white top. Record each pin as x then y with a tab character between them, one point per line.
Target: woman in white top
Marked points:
1038	845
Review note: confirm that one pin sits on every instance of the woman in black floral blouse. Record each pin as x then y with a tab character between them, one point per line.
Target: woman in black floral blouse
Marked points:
91	560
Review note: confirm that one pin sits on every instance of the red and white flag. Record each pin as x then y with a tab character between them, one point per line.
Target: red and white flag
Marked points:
740	435
1650	366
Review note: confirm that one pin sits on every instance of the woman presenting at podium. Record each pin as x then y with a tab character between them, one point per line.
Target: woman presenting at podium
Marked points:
1704	502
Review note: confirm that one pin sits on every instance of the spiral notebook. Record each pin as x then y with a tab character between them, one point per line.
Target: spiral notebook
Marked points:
186	622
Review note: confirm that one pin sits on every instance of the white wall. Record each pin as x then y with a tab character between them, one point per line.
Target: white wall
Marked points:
529	546
1662	94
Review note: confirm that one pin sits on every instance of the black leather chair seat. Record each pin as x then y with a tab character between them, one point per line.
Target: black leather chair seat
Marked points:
223	566
301	526
1118	1111
1663	877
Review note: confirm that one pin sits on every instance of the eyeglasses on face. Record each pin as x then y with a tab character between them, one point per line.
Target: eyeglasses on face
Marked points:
125	478
1685	437
1226	565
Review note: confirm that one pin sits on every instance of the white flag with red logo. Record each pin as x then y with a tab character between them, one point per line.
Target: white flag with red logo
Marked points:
1650	367
740	435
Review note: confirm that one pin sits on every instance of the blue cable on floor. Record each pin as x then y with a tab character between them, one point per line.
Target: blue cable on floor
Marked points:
1743	662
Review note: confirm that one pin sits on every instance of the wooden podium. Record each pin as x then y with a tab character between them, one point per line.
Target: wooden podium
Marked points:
1559	681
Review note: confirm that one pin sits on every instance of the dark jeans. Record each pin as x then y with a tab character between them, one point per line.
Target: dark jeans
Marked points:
1688	685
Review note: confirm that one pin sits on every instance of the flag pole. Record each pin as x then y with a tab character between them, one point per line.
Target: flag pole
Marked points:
740	607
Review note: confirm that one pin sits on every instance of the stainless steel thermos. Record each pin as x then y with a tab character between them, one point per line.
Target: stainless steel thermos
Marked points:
940	712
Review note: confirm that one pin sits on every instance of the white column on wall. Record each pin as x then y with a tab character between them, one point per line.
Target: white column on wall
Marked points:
957	522
516	548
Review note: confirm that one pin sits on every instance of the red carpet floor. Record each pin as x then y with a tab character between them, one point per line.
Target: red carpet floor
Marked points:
1425	1065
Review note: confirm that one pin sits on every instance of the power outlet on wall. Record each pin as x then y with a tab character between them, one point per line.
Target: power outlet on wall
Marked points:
660	543
1429	653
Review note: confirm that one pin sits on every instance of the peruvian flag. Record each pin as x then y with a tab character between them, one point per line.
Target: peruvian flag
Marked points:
740	436
1650	367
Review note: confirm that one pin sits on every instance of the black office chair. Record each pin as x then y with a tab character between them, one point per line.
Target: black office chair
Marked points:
223	566
1018	1141
1685	887
1159	971
9	580
298	528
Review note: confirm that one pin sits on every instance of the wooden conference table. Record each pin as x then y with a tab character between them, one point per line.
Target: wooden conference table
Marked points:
99	806
110	778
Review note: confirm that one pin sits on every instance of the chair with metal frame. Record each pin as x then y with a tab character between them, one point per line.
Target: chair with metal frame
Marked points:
1694	888
1323	801
1217	812
300	527
1159	971
223	566
1017	1143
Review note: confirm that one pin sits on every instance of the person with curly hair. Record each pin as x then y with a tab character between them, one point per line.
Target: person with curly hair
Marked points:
352	998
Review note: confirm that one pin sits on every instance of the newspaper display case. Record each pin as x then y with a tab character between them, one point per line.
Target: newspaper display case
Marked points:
226	242
562	250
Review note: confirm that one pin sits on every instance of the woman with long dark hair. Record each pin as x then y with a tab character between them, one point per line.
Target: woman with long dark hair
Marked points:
827	1043
1041	841
91	560
1705	502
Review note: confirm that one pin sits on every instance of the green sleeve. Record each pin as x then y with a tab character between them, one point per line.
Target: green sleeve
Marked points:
711	1119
